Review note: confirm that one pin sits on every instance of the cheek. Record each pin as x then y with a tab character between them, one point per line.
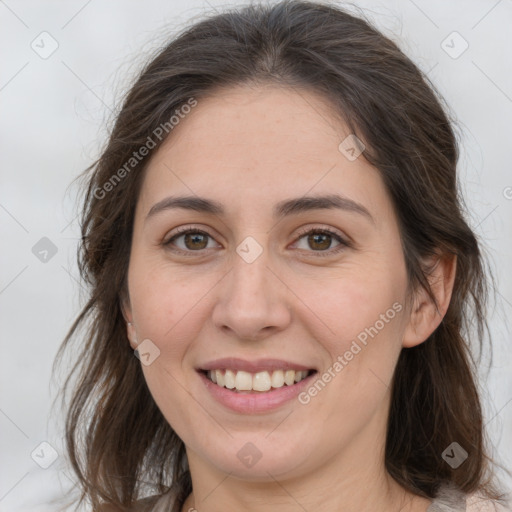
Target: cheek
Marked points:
165	308
354	301
360	328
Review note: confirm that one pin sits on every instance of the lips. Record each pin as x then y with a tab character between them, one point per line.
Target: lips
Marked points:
253	401
235	364
260	375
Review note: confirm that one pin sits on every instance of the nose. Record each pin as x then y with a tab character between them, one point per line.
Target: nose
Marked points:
252	301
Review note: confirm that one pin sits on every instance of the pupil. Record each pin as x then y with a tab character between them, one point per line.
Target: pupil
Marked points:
314	239
194	238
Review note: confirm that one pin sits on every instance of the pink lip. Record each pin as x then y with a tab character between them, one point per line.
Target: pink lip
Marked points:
260	365
254	402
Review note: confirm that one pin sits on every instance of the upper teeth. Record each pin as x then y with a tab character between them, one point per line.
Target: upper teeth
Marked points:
261	381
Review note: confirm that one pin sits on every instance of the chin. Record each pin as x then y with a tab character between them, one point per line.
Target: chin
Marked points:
258	459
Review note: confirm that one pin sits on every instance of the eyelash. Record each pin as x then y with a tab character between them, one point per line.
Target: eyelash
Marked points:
343	244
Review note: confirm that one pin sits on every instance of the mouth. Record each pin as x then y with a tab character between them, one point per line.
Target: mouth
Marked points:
244	382
254	386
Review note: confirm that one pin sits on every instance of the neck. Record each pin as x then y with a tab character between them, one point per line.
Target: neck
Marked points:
350	481
290	496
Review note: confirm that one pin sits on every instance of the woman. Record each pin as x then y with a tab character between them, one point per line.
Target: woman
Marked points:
274	230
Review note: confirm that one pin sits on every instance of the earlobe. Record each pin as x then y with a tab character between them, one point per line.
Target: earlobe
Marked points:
131	333
425	315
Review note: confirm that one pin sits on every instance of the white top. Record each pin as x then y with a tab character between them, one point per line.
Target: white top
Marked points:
449	499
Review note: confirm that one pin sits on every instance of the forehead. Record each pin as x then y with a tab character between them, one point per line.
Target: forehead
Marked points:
251	145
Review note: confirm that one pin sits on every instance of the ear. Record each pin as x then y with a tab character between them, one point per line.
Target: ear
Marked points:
131	333
425	316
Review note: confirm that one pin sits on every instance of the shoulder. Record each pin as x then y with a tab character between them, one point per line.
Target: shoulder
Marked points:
451	499
477	503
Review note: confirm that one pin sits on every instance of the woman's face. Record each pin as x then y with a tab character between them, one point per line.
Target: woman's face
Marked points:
251	283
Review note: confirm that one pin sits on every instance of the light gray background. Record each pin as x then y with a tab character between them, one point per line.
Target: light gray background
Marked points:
53	113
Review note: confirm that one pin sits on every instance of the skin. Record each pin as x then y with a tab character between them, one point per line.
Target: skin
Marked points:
249	148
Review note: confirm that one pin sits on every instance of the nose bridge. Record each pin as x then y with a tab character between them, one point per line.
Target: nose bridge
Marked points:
250	275
250	258
251	298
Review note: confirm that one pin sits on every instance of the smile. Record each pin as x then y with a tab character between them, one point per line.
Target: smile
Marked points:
256	386
258	382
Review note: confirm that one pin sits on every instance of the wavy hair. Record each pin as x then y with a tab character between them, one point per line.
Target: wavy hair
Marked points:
119	443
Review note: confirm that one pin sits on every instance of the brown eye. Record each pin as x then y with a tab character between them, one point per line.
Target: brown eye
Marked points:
193	240
320	241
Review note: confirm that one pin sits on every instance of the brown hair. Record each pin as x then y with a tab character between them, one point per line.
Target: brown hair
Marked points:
119	443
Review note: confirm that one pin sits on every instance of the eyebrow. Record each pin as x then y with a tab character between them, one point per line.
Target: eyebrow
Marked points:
282	209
